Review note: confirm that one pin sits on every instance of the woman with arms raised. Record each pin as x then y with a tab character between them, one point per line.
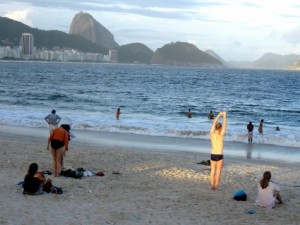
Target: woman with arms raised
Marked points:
217	133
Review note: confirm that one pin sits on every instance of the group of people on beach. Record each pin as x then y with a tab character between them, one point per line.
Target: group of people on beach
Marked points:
58	140
268	192
35	181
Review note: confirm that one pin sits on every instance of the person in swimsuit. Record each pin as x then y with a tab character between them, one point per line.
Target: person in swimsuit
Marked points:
210	115
217	133
250	128
189	114
260	128
59	140
118	113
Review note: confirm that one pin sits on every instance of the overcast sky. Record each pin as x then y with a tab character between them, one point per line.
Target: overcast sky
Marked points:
235	29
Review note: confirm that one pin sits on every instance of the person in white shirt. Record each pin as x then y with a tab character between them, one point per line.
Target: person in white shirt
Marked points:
268	192
53	120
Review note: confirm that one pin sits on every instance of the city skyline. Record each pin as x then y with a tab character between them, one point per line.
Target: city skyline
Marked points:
235	30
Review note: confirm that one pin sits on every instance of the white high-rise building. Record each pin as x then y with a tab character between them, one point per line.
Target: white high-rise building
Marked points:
27	43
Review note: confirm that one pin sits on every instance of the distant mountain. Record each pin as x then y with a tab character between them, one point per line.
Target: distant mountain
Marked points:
183	54
134	53
274	61
85	25
216	56
11	32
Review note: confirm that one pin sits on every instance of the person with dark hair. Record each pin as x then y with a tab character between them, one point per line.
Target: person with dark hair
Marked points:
118	113
268	192
189	114
217	133
53	120
211	115
260	127
33	181
59	140
250	128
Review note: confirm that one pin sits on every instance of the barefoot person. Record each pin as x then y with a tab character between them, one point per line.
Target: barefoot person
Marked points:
59	140
217	133
268	192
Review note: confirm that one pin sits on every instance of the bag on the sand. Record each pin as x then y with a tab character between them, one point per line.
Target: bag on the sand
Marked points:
240	195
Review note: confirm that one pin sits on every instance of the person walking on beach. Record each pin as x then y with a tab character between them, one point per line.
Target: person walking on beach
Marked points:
189	114
118	113
250	128
217	133
211	115
260	128
53	120
59	140
268	192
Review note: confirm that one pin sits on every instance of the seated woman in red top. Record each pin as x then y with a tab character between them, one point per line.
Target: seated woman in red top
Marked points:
59	140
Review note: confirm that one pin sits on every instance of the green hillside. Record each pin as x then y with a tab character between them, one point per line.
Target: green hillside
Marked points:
11	32
135	53
182	53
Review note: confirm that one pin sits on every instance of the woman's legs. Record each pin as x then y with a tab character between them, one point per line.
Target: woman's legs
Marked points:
57	155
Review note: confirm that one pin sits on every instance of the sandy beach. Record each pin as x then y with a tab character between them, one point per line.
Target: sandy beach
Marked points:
153	187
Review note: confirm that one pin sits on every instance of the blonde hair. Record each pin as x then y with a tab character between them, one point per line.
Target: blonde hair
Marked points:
218	126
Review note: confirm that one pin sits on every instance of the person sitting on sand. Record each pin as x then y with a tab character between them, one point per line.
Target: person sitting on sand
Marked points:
59	140
268	192
33	181
217	133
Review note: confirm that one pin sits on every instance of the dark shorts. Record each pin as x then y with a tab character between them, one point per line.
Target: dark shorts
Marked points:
56	144
216	158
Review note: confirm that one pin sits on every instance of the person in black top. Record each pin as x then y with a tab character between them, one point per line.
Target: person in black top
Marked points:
250	128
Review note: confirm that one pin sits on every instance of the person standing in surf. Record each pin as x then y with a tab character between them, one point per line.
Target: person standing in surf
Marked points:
250	128
260	128
53	120
189	114
217	133
118	113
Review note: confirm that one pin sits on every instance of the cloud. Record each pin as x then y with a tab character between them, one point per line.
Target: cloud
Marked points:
292	36
20	16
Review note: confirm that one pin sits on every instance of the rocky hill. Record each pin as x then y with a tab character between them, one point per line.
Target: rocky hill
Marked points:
11	32
216	56
275	61
85	25
135	53
183	54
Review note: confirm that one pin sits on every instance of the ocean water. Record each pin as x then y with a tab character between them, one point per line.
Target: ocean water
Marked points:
153	100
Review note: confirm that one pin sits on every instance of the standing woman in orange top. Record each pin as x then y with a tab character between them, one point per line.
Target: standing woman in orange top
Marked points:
59	140
118	113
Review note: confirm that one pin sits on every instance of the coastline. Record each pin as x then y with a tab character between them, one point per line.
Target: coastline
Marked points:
273	153
155	187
